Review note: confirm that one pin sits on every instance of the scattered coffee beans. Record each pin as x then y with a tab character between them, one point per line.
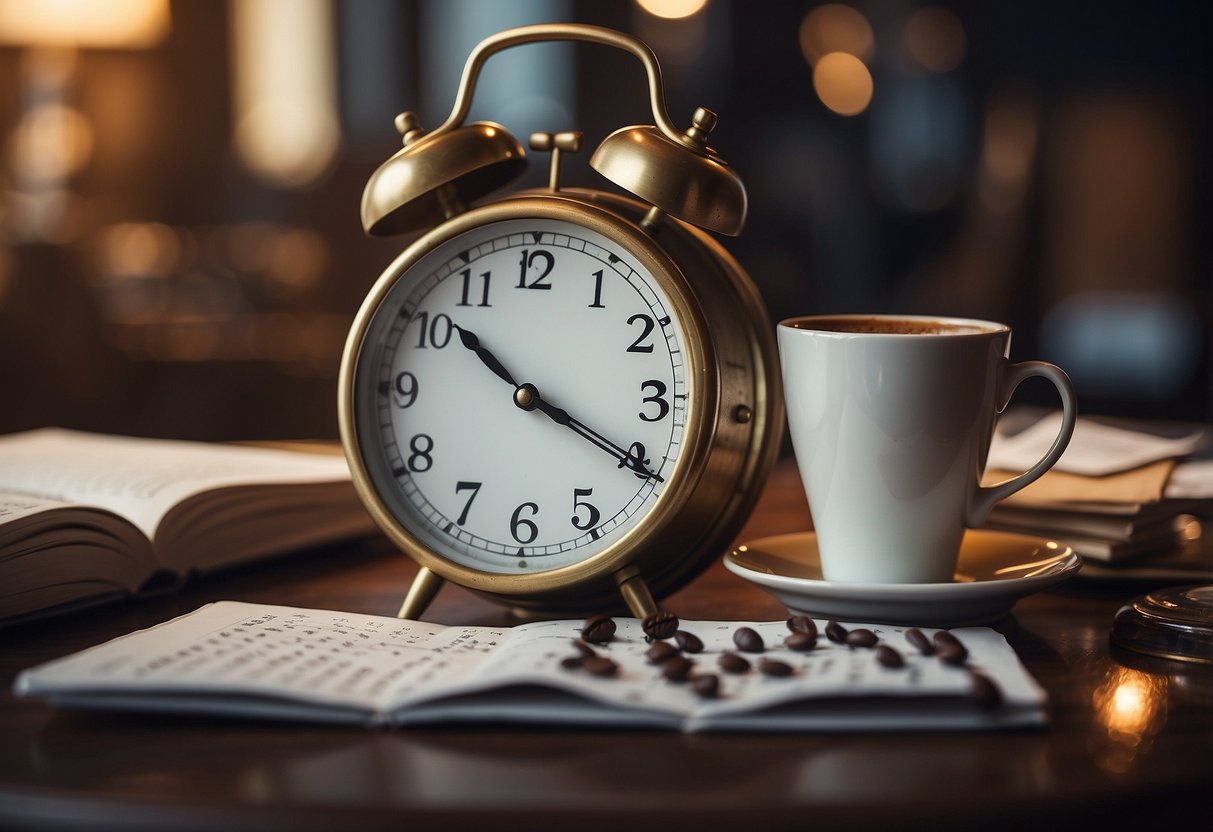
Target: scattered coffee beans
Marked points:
599	666
888	657
676	668
598	629
801	641
572	662
921	643
732	663
706	685
660	624
689	642
774	667
660	651
983	692
861	637
748	640
803	624
583	648
836	633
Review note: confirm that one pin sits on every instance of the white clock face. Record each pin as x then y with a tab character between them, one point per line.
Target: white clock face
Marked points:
521	395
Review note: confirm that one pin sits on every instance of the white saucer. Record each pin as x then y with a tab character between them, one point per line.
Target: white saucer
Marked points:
995	569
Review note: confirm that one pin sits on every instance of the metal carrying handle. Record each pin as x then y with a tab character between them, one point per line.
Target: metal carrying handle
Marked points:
542	32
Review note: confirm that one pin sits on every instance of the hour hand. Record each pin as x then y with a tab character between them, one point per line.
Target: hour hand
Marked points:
469	340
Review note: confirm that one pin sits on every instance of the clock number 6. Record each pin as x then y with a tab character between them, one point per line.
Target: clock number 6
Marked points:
524	531
594	515
659	391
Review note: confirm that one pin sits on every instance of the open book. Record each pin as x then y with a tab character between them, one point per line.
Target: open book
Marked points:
89	517
262	661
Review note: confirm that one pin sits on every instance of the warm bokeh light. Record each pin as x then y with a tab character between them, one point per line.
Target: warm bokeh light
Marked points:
1131	707
935	38
286	126
84	23
843	83
835	27
671	9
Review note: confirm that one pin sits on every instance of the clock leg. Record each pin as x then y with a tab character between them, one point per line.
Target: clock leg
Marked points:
425	587
636	593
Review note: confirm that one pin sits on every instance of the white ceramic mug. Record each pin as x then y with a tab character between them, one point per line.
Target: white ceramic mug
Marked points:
891	418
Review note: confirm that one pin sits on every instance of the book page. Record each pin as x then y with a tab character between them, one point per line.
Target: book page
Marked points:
142	479
14	506
1096	449
287	653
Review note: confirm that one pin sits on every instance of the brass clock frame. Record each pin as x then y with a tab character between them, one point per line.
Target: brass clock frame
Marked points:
734	418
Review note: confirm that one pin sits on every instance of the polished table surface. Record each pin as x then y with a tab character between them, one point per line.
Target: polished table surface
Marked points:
1129	743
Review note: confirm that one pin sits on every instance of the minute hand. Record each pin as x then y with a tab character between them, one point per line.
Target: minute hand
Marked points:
528	398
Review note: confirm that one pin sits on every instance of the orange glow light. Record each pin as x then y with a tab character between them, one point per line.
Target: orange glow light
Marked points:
843	83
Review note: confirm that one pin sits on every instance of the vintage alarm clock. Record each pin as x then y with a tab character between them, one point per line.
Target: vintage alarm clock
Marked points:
565	399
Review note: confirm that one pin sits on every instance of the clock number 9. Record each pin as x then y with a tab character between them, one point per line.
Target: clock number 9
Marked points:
659	391
406	389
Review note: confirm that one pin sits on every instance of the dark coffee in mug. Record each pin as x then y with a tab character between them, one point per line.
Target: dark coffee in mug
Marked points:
890	326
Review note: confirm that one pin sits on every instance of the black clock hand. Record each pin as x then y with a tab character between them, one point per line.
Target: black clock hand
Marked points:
527	397
470	341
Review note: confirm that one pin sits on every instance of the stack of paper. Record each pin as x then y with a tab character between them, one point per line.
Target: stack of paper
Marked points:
1115	494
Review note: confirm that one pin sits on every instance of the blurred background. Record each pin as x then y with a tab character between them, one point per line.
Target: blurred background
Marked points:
180	247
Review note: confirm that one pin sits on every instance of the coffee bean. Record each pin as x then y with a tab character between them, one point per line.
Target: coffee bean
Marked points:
861	637
660	651
983	692
949	649
706	685
836	633
888	657
676	668
802	624
689	642
598	629
952	654
774	667
583	648
732	663
748	640
660	624
600	666
801	641
572	662
917	638
943	637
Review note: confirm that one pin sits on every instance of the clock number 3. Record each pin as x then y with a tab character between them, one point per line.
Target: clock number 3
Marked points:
658	398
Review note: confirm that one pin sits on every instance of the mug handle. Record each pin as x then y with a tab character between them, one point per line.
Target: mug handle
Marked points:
984	497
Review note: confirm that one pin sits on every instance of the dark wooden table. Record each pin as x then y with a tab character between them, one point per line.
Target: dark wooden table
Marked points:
1129	745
